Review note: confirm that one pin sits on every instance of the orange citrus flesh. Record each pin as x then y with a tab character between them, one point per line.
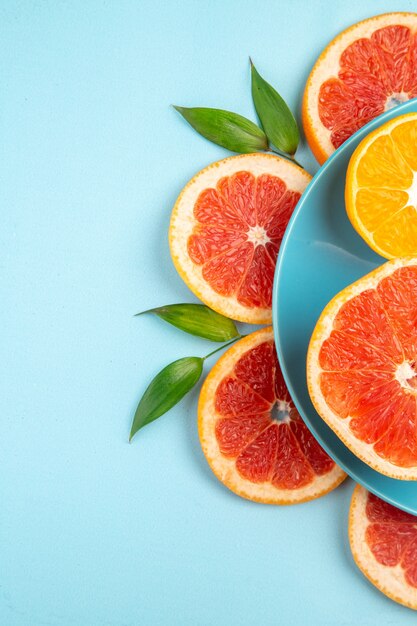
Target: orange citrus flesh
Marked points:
381	188
362	368
226	230
252	436
383	541
366	70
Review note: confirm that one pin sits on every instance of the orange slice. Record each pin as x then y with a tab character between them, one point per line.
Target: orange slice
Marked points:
383	540
366	70
226	229
252	436
362	368
381	188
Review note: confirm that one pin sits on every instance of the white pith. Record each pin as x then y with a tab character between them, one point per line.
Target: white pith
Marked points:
327	66
258	235
183	223
283	408
225	468
389	580
322	332
403	374
412	192
396	98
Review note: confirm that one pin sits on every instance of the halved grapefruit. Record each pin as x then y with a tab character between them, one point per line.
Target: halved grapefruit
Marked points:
251	434
362	368
366	70
381	188
383	540
226	229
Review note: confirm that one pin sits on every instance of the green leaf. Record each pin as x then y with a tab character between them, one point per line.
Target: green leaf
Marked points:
276	118
197	319
166	390
226	129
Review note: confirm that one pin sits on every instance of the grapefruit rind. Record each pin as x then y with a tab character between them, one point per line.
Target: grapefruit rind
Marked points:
225	468
352	187
389	580
322	330
327	66
183	222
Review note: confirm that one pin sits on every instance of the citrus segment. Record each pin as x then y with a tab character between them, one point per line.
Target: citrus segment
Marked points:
383	540
319	460
235	433
209	241
382	165
226	229
225	272
405	138
381	188
398	235
256	461
364	318
253	437
254	368
342	351
346	392
238	192
379	425
210	208
234	398
291	469
366	70
256	287
270	192
377	205
362	369
398	294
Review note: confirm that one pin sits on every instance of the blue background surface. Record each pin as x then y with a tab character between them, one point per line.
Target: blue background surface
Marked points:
94	531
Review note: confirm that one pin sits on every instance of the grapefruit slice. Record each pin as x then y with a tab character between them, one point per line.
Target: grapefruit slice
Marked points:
226	229
366	70
383	540
362	368
381	188
252	436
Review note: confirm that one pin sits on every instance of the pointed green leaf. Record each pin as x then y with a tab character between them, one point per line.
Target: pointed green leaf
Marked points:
276	118
167	389
197	319
226	129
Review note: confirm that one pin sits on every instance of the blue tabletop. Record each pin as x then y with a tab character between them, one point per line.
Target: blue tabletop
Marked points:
94	531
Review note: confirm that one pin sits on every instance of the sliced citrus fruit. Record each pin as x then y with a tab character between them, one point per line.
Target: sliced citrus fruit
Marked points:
383	540
251	434
381	188
366	70
226	229
362	368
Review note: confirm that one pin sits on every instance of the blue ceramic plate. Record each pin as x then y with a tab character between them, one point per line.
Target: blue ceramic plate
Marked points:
321	254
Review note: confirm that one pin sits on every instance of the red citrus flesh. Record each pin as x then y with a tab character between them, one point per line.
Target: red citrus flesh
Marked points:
392	537
240	225
375	74
260	428
369	366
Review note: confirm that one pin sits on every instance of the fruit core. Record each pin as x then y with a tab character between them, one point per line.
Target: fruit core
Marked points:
396	98
412	192
406	375
257	235
281	412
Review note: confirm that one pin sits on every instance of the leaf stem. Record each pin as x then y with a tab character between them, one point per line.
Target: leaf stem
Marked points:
296	162
289	157
226	345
